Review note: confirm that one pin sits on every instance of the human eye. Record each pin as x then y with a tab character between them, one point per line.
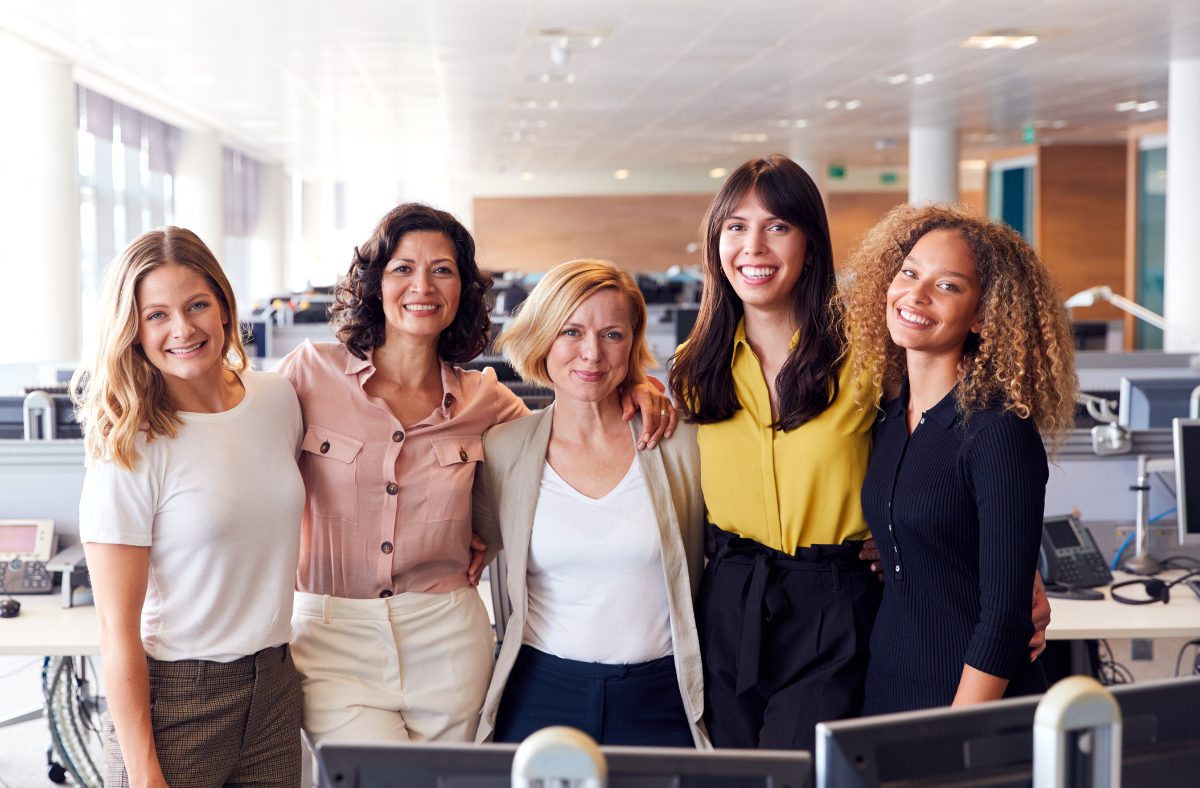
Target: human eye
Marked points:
950	287
779	227
400	268
907	273
444	270
569	332
734	227
156	315
198	306
615	335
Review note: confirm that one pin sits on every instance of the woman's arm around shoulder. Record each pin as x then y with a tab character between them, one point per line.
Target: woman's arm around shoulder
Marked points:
119	573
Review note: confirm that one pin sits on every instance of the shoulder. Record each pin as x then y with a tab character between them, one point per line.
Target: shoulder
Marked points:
482	388
682	444
512	435
312	359
996	431
271	388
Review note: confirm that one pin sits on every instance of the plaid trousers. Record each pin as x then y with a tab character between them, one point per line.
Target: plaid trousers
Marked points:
222	723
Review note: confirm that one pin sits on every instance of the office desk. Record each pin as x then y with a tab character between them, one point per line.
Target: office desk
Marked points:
1094	620
45	629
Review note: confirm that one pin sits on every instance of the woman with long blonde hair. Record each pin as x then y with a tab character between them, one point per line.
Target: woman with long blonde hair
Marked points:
189	517
958	321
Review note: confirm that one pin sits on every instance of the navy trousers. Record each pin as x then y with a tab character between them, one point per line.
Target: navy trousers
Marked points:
784	639
614	704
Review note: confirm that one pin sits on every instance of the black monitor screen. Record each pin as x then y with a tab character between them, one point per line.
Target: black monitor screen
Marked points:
1061	533
1187	478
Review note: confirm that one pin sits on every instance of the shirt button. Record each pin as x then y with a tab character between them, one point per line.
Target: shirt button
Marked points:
462	454
324	447
446	400
894	549
922	421
392	488
398	436
897	569
386	547
387	592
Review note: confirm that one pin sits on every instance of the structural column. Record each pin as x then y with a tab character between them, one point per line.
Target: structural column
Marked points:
1182	269
932	164
199	188
268	275
39	207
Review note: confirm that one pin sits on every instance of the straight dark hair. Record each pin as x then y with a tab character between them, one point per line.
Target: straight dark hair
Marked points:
701	377
357	312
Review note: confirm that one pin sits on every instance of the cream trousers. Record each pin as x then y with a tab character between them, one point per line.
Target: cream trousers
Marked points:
410	667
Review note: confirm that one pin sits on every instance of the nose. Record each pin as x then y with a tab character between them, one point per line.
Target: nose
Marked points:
589	348
181	326
755	243
422	282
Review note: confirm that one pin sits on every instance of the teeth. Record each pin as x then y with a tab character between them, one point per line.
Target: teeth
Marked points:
910	317
420	307
185	350
757	271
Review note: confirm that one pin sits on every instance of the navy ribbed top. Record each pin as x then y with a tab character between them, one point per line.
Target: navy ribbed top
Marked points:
956	509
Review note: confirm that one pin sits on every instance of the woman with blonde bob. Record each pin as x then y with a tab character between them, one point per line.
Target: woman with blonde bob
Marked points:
191	481
603	543
956	319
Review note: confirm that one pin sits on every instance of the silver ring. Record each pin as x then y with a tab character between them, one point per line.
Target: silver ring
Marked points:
662	412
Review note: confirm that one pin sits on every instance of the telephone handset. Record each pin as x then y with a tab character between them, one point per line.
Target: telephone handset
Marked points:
1069	556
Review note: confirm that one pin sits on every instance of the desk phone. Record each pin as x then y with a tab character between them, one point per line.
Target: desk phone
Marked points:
25	547
1069	556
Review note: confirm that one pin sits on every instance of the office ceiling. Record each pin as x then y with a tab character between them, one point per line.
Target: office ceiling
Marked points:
494	88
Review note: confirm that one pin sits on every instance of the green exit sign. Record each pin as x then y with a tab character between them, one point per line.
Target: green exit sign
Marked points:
1028	134
837	171
888	178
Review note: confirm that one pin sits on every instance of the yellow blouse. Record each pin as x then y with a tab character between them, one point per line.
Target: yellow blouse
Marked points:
785	489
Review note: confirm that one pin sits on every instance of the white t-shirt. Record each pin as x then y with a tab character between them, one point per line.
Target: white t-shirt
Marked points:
596	589
219	507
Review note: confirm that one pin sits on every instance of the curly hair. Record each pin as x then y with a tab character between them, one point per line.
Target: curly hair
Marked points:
119	393
357	312
1024	354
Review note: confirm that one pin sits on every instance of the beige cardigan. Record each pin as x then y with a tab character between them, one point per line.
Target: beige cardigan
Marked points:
506	491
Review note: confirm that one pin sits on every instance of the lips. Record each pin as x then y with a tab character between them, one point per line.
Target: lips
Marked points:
589	377
757	273
421	309
908	317
190	350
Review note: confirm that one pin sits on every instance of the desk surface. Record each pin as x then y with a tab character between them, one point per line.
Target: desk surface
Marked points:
1073	619
45	629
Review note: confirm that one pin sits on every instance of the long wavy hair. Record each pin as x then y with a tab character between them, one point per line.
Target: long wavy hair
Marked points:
1023	357
701	377
120	393
357	312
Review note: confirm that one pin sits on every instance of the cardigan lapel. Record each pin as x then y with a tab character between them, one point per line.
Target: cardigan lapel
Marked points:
526	477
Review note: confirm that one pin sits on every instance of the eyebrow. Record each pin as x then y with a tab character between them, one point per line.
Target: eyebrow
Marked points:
163	306
602	328
943	272
769	218
413	260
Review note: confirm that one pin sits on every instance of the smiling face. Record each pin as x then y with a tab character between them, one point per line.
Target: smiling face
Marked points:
762	255
420	288
590	357
933	301
181	325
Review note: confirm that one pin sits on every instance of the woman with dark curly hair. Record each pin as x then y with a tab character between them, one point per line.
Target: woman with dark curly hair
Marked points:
391	638
958	320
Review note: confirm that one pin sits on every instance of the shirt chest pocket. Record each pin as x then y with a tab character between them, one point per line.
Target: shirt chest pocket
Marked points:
454	461
329	461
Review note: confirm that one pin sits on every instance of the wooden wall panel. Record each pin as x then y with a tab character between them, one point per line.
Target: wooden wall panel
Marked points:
1080	203
851	214
641	232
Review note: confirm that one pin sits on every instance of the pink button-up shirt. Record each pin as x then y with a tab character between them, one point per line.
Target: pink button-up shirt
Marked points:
387	506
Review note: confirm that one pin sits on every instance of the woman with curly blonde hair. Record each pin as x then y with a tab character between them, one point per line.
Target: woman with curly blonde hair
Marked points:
958	321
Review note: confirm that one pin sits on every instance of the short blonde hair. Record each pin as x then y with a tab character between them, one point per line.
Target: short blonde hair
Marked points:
120	392
527	340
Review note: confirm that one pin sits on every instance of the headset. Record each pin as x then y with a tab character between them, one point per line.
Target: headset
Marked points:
1156	590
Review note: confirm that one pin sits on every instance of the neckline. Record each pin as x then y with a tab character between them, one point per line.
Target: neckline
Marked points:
247	395
625	480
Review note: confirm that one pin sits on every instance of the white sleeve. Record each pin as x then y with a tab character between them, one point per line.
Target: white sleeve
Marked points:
118	506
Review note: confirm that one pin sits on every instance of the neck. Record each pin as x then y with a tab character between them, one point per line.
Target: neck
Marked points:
930	377
409	363
215	393
770	332
575	420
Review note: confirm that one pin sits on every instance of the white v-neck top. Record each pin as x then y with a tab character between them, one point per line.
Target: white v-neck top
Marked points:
596	589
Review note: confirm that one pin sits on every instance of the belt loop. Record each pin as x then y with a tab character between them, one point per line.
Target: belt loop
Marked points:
325	617
837	579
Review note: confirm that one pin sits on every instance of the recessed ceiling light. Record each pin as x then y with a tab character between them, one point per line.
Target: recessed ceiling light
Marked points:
620	174
1147	106
896	79
596	41
801	123
748	136
569	79
1001	39
718	172
1125	106
552	103
853	104
832	103
781	123
923	79
527	176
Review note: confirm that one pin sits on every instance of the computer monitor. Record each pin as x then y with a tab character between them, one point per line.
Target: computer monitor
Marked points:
12	418
1187	479
992	744
1152	403
428	765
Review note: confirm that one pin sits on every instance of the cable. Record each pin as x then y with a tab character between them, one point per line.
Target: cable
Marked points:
1182	650
1161	515
1110	671
1116	562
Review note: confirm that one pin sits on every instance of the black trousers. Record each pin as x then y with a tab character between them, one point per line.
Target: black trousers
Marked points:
784	640
635	704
